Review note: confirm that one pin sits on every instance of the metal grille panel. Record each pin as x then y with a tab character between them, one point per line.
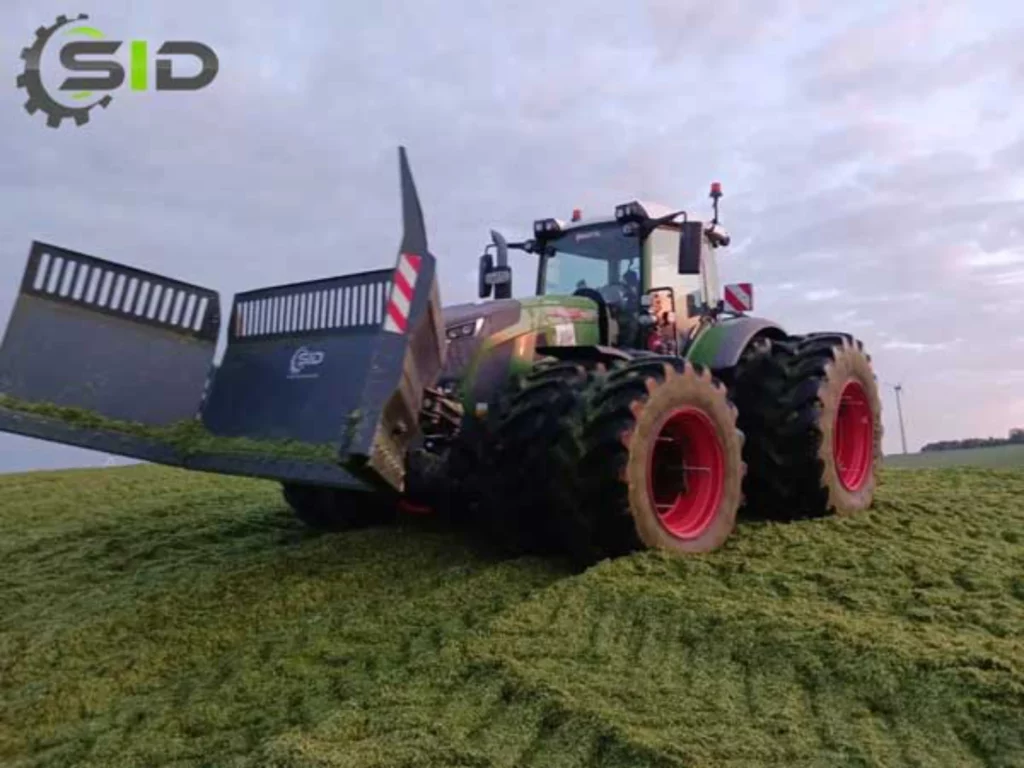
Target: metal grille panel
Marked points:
352	302
98	285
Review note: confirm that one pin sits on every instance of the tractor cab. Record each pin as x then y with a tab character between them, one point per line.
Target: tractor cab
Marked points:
651	271
597	261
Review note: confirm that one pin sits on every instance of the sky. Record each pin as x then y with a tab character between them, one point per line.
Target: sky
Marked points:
871	154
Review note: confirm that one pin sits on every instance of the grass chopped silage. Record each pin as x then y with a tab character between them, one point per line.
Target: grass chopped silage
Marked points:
157	617
188	437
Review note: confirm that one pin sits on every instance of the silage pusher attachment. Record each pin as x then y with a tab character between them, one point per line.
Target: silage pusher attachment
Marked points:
321	382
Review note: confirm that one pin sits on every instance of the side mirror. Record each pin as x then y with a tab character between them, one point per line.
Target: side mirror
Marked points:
486	265
496	279
501	279
661	306
695	304
691	236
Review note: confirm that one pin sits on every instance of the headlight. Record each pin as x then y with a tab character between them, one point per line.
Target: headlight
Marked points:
547	227
464	330
631	211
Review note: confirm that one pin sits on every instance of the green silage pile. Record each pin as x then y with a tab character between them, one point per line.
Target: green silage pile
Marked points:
156	617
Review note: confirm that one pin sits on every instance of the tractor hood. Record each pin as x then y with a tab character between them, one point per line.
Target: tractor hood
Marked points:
487	340
464	313
500	314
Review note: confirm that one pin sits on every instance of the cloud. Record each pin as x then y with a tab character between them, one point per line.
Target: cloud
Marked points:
825	294
867	186
1011	155
911	53
1016	277
918	346
994	259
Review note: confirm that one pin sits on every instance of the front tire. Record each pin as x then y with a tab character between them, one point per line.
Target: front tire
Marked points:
662	464
533	465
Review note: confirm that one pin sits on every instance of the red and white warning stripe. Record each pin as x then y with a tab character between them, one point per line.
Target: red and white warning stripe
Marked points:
396	320
739	297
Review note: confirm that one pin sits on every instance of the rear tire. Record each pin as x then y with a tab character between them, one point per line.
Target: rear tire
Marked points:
812	412
662	460
338	509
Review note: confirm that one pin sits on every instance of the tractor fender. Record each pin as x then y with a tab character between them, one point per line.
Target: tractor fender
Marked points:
722	345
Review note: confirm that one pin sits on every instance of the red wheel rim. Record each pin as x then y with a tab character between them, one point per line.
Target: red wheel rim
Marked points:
412	508
686	473
853	444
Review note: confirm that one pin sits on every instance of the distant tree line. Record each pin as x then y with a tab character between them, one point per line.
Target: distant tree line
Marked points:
1016	437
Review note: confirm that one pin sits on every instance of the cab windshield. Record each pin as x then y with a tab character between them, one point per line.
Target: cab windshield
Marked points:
594	257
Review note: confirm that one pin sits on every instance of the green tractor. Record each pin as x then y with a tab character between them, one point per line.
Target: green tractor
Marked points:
634	403
631	403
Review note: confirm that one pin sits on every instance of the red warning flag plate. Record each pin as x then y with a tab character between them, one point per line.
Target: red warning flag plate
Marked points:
739	297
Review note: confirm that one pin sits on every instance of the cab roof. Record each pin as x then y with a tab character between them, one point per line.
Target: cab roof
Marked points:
654	210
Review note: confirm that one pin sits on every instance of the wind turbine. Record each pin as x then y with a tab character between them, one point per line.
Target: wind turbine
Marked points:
898	389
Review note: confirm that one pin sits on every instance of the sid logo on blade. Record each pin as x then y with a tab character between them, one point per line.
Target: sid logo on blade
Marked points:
303	359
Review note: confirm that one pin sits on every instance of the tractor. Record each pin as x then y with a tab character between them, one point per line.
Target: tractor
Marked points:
632	402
